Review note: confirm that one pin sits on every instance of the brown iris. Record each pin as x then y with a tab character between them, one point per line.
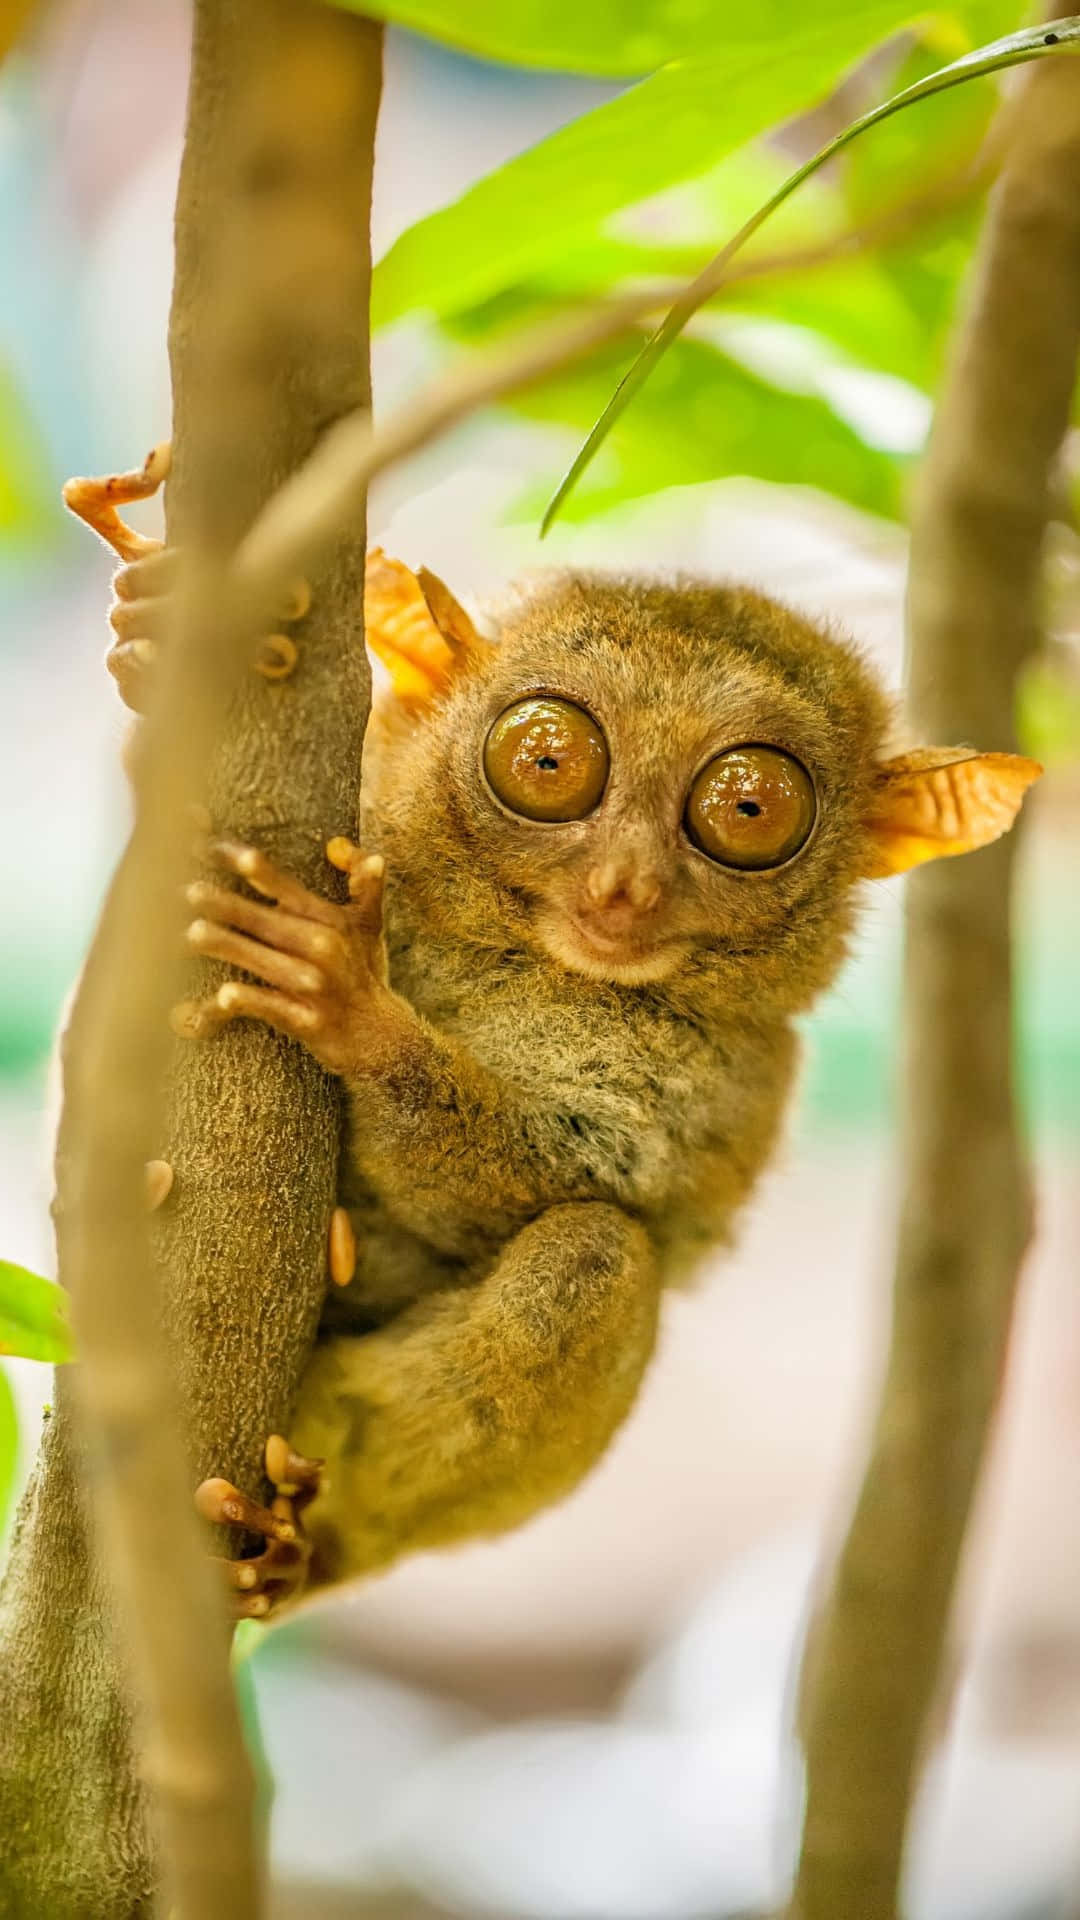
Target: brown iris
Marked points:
546	759
751	808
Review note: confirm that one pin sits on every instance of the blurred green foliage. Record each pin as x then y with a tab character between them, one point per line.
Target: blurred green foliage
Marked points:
27	510
704	416
669	128
627	36
34	1323
864	265
9	1447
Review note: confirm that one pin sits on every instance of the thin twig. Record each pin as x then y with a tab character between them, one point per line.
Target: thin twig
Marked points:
875	1658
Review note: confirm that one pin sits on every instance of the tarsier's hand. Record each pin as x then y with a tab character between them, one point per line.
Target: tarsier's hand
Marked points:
324	965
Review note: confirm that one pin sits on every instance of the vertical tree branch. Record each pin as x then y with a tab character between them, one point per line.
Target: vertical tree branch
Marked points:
268	344
973	611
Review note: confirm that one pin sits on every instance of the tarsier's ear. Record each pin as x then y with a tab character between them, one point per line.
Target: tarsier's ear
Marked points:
416	628
940	801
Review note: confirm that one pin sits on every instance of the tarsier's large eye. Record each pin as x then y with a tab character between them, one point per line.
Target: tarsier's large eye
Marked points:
546	759
752	807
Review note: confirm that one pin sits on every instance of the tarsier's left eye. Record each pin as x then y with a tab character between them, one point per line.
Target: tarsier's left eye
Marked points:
751	808
546	759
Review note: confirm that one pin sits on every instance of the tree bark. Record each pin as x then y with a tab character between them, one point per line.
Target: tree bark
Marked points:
268	343
973	608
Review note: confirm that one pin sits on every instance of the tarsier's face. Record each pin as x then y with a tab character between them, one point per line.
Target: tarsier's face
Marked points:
633	892
643	781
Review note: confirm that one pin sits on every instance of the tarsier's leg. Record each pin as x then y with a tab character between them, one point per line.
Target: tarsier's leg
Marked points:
479	1405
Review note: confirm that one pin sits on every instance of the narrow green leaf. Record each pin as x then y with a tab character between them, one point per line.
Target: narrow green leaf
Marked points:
9	1447
34	1319
669	128
705	417
1031	44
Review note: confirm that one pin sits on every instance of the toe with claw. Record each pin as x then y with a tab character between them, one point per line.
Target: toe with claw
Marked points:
280	1572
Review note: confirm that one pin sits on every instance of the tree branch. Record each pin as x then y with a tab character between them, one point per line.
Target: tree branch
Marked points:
875	1658
268	340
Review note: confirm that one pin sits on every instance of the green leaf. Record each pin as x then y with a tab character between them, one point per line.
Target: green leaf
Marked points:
703	417
34	1319
27	508
674	125
9	1447
1031	44
941	142
589	36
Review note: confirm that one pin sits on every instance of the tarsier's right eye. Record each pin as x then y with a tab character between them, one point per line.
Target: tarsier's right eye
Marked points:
546	759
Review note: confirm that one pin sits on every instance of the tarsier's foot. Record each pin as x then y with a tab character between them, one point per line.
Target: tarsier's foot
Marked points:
280	1572
323	964
96	502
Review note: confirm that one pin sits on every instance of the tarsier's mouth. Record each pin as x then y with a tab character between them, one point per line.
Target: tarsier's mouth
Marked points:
627	959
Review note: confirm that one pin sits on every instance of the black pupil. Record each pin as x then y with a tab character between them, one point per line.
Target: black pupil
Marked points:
547	764
749	807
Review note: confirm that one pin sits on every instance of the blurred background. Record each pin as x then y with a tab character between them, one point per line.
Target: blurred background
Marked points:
587	1718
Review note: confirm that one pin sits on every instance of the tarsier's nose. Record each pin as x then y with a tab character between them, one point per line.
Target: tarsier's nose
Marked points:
618	893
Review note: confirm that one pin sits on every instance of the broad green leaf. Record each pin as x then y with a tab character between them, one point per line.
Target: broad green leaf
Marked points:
703	417
9	1447
599	36
674	125
1055	38
34	1319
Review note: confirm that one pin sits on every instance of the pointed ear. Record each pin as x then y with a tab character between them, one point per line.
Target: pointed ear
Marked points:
416	628
940	801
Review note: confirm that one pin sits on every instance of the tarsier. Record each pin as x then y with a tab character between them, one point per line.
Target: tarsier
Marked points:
610	853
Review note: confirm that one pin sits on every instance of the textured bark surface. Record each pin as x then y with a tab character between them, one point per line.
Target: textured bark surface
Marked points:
268	345
973	608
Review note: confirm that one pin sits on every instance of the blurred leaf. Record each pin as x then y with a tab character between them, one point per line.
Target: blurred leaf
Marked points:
682	120
1048	712
887	310
602	36
942	141
9	1447
1057	37
34	1319
704	417
27	509
248	1636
